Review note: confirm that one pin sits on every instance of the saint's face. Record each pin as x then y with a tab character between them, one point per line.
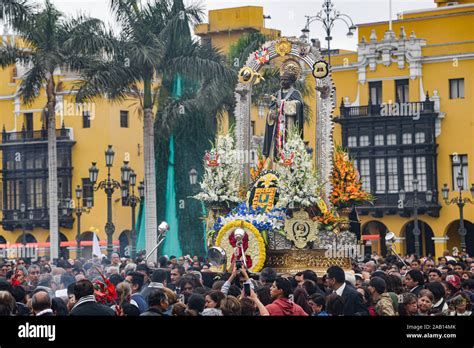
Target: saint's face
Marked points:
285	81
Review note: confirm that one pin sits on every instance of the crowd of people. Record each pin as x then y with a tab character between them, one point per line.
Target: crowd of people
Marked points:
187	286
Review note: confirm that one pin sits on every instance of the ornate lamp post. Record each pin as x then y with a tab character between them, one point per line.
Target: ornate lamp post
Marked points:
416	229
109	185
129	179
460	202
23	225
79	211
328	16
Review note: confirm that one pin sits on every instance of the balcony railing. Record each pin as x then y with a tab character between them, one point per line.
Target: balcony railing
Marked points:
29	136
39	217
400	109
387	203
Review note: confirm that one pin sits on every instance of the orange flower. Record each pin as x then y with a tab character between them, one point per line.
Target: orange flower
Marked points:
347	187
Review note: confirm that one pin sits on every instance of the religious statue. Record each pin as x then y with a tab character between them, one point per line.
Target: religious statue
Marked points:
286	111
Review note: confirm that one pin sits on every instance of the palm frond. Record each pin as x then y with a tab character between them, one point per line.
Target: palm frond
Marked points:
10	54
32	83
87	35
16	11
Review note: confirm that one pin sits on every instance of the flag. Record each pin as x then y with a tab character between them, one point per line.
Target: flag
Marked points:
95	247
140	228
171	244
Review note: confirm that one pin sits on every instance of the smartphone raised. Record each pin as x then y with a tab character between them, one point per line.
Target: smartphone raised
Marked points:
247	289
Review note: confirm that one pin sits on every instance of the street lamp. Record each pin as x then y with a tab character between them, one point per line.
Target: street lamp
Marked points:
109	185
328	16
460	202
79	211
193	175
428	197
129	179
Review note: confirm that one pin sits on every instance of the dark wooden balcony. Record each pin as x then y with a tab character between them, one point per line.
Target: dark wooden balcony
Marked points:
405	109
33	136
387	204
34	218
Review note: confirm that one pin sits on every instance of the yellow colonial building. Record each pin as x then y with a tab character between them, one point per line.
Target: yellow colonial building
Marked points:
226	26
83	131
405	102
424	67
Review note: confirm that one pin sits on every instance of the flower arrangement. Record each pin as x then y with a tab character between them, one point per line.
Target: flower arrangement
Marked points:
273	220
328	220
347	186
220	184
104	292
254	245
298	182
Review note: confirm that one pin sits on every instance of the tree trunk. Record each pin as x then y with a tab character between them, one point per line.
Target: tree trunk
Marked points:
52	171
150	184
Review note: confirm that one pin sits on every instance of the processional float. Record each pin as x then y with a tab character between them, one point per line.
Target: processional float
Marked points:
275	213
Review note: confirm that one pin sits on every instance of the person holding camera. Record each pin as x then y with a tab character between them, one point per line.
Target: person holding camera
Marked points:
238	268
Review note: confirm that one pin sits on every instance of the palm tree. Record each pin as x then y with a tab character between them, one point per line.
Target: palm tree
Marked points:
139	67
15	11
49	42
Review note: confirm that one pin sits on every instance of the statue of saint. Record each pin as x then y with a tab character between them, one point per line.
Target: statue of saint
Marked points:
286	112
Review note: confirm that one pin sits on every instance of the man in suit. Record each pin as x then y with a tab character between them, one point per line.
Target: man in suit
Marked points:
86	304
414	281
353	304
41	303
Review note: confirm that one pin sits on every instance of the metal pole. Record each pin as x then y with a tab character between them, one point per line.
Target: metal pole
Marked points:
416	230
329	45
78	236
462	230
390	16
134	231
328	30
156	247
109	226
23	235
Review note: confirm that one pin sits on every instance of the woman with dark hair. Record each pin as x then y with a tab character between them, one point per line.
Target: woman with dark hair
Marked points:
214	298
335	305
439	304
263	294
213	303
301	298
367	299
396	284
195	305
408	306
318	305
59	307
